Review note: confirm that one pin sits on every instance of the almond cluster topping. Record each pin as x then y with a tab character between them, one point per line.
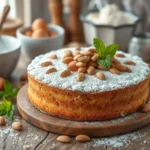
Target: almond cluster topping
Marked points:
82	62
86	62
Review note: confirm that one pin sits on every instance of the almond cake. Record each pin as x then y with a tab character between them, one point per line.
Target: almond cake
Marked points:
68	83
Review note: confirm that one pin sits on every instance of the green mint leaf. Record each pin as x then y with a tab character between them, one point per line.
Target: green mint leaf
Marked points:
100	46
111	49
9	108
14	92
2	110
10	114
1	94
105	61
8	86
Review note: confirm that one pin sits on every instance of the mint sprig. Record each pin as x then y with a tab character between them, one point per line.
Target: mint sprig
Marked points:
105	53
7	108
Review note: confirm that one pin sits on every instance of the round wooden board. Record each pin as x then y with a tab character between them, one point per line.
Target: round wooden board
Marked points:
73	128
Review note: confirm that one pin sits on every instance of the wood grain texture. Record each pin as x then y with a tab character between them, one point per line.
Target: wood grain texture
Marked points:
73	128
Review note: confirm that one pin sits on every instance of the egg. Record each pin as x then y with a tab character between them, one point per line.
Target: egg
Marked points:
39	33
28	33
39	24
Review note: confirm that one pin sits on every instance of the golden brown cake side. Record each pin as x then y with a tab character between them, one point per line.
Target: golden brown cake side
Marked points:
76	105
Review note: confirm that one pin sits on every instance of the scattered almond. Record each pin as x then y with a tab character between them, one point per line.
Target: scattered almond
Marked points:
80	64
128	70
45	64
82	70
72	66
100	75
67	53
51	70
101	67
17	125
2	83
95	57
77	57
130	63
64	139
80	76
67	60
83	138
120	55
91	70
86	53
52	56
114	71
146	108
65	73
2	121
120	67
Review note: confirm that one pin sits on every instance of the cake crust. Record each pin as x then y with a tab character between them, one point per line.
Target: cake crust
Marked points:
82	106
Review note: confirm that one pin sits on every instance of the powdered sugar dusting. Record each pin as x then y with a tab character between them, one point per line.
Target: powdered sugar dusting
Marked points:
119	141
91	83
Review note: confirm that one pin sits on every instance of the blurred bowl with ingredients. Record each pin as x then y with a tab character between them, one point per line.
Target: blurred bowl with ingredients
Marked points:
40	38
9	54
109	24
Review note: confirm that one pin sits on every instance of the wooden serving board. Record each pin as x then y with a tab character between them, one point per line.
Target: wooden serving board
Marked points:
73	128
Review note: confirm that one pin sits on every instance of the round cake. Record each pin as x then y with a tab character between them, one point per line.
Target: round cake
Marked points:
68	83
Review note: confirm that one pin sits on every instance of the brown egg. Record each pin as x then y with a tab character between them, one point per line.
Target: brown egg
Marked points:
28	33
39	33
39	24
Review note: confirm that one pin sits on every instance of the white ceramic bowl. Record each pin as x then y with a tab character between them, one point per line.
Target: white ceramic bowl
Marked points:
33	47
9	54
120	35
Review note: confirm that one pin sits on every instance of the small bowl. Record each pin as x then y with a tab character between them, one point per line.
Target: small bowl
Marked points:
120	35
9	54
33	47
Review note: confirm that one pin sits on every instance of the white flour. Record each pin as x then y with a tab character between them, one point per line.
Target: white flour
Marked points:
91	83
119	141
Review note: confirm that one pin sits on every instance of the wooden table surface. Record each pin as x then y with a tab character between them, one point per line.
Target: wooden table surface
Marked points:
33	138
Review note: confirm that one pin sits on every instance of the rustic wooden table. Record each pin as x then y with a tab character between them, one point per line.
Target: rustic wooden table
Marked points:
33	138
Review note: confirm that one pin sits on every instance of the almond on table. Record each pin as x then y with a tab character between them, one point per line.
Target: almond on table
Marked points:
2	121
64	139
82	138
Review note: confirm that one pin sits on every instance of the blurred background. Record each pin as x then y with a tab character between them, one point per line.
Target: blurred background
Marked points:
28	10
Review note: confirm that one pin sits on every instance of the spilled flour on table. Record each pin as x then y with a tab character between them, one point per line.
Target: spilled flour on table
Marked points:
119	141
